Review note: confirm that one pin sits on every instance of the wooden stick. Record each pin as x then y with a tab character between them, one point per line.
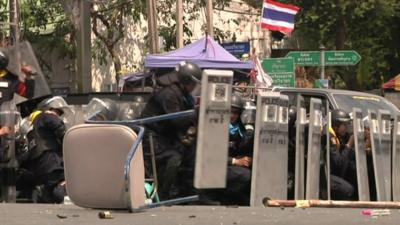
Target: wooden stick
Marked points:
331	204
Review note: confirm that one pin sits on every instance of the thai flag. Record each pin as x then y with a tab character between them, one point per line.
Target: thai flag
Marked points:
279	17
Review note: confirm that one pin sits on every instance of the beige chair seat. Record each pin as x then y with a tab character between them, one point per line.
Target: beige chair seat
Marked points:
94	160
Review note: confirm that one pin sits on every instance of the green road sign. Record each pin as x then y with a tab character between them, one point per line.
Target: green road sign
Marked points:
341	58
332	58
305	58
281	70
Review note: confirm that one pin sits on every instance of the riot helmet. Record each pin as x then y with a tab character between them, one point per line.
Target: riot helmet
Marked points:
102	109
236	102
249	113
340	116
3	60
56	103
188	72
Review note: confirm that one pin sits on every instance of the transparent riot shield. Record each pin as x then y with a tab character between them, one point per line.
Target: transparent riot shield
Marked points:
266	178
314	149
23	55
8	119
396	160
361	157
213	136
385	150
377	155
300	145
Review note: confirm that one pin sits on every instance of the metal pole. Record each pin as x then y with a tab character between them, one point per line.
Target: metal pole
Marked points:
209	12
84	57
322	57
179	24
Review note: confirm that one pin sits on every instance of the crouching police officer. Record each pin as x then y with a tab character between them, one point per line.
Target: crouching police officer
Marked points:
45	157
240	157
174	139
343	173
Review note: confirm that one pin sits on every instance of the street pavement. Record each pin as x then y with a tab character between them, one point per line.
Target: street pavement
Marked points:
43	214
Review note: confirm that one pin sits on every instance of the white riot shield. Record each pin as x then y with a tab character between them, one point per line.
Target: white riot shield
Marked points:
266	177
314	149
213	126
385	154
396	160
300	146
361	157
377	155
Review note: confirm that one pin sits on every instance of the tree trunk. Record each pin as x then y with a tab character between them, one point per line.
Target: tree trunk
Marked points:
116	61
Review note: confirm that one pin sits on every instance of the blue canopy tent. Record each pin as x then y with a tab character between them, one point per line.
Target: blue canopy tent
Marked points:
205	52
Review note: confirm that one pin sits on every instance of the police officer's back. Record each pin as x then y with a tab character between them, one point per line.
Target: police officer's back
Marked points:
172	147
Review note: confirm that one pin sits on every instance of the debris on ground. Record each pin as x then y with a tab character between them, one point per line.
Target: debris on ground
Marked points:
62	216
105	215
376	212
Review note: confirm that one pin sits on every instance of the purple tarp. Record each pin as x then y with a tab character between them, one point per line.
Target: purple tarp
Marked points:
205	52
137	76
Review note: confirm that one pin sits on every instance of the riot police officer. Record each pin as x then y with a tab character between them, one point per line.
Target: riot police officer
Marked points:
45	146
174	142
343	178
10	84
24	88
240	157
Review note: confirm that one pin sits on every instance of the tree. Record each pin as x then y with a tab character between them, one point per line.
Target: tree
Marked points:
191	9
111	16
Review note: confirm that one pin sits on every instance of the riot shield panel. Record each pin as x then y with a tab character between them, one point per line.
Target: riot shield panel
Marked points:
396	159
314	149
27	57
300	145
266	180
328	124
361	157
377	155
384	120
213	136
8	118
282	145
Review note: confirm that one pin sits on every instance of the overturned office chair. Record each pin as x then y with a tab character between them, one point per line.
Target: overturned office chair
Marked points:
104	166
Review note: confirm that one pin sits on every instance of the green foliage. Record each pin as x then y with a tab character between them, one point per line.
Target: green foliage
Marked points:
45	24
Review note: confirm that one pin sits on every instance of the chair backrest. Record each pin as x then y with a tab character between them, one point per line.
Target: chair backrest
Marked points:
94	160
